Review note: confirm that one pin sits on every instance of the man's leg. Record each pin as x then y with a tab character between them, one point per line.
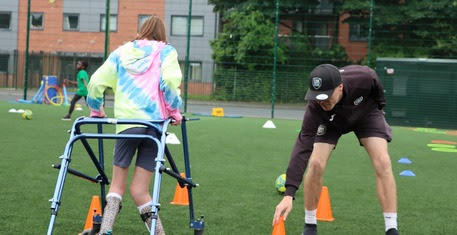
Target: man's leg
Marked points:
313	184
385	181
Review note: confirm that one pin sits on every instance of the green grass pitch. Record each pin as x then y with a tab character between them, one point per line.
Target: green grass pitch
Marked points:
236	163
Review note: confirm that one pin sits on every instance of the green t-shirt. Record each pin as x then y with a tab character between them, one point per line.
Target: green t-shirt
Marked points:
82	89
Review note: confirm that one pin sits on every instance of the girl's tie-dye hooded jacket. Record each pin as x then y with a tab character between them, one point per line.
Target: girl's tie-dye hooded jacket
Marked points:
145	77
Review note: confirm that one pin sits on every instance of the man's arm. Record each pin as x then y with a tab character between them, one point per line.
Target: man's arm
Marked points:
301	152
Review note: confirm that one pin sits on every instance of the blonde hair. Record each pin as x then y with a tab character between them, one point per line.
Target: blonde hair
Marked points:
153	29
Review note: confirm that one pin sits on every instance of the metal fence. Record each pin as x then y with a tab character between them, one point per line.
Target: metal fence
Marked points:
240	51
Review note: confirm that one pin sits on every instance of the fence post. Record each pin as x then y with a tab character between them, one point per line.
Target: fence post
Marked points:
186	69
27	37
273	83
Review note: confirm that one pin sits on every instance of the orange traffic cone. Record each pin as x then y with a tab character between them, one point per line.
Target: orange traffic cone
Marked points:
94	209
324	209
279	228
181	197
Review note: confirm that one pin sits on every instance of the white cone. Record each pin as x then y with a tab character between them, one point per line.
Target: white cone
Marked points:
269	124
12	111
20	111
172	139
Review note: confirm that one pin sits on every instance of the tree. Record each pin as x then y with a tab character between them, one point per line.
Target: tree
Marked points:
247	39
412	28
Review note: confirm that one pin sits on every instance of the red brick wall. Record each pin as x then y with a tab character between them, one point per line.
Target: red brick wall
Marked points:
355	50
53	38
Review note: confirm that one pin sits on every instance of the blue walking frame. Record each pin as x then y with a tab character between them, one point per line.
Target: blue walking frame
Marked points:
77	135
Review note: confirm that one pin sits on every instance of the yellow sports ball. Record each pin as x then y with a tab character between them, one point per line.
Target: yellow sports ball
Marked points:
280	183
27	114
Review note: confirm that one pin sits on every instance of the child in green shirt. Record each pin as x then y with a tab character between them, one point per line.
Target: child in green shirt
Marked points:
82	79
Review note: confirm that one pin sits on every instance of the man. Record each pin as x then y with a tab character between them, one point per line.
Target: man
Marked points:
340	101
82	79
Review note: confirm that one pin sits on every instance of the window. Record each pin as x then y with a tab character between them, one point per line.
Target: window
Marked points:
141	20
112	23
195	70
5	20
36	20
4	62
319	32
179	26
358	32
71	22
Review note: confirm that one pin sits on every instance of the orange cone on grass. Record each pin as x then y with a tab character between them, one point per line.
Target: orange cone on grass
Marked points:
181	197
94	209
324	209
279	228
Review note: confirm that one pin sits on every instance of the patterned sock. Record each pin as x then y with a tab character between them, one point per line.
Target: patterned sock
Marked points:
112	208
145	211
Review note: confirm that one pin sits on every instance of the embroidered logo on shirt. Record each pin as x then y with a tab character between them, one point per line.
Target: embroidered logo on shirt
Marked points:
358	100
331	117
317	83
321	130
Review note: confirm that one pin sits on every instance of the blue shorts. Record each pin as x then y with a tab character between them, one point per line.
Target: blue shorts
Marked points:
125	149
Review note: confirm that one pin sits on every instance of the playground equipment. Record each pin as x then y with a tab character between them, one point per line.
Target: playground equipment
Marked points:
48	93
102	179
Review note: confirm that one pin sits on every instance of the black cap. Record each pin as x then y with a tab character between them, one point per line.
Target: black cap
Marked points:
322	82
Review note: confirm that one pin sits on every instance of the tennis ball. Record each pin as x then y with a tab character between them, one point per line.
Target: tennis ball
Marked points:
280	183
27	114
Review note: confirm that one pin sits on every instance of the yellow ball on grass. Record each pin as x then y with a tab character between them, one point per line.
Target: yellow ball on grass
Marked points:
27	114
280	183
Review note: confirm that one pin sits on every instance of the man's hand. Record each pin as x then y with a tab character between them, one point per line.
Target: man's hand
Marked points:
283	208
65	81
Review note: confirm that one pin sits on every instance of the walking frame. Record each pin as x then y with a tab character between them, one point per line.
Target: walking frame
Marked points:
76	134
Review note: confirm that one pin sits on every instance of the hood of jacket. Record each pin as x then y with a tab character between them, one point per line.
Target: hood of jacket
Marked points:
136	56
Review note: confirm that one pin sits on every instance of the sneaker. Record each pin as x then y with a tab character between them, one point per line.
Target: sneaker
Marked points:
66	118
392	231
310	229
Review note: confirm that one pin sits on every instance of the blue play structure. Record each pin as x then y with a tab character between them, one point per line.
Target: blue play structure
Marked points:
39	98
77	135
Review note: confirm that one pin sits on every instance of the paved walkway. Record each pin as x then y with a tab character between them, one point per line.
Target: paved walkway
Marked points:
244	109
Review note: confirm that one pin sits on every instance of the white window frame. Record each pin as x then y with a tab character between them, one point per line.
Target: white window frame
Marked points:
112	22
66	15
179	26
194	75
141	19
10	15
34	14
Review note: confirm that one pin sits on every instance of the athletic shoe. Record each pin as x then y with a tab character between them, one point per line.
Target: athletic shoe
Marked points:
392	231
66	118
310	229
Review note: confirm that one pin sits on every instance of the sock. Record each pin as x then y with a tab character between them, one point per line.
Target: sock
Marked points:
116	195
145	208
140	208
310	217
112	208
390	219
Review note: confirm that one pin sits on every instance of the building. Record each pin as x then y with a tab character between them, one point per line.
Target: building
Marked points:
64	31
204	28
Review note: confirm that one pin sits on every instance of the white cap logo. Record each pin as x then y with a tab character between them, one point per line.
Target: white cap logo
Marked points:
317	82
